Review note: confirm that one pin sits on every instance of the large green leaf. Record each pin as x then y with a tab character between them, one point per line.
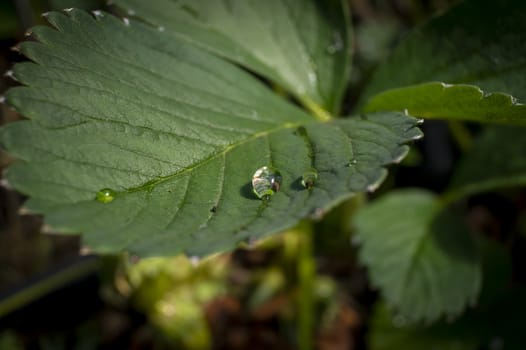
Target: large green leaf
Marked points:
455	102
304	45
497	160
494	322
419	254
177	133
478	43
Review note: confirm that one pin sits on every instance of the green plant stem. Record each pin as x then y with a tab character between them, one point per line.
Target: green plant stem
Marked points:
306	274
48	284
317	110
461	135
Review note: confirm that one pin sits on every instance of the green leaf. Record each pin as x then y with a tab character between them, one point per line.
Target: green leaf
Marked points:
497	160
174	134
476	43
419	254
388	333
303	45
494	322
454	102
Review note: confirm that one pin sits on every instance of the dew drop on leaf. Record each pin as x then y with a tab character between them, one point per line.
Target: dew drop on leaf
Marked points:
352	162
309	178
105	195
265	182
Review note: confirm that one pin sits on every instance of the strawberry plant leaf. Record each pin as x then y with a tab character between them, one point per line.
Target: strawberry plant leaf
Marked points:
454	102
484	169
305	46
141	141
474	44
419	254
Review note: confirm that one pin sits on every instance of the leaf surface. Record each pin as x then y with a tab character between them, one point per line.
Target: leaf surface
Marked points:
453	102
497	160
476	43
419	254
302	45
177	134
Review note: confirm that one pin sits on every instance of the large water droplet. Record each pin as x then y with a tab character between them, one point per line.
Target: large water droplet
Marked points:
309	178
105	195
265	182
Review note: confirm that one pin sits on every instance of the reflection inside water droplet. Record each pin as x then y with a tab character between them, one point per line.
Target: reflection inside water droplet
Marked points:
105	195
309	178
265	182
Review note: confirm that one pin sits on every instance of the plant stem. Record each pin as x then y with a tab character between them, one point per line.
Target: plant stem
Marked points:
461	135
24	296
317	110
306	273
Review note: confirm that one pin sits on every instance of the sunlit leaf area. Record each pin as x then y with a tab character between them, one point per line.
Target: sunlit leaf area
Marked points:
247	174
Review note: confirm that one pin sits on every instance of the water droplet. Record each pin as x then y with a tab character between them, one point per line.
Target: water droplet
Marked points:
336	44
399	321
126	21
161	29
317	214
251	242
265	182
105	195
352	162
195	260
309	178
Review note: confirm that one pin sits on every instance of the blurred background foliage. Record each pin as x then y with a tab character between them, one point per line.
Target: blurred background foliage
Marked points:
290	291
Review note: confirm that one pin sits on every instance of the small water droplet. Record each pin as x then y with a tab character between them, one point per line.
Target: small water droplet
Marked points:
399	321
265	182
352	162
251	242
309	178
126	21
195	260
317	214
105	195
161	29
336	44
